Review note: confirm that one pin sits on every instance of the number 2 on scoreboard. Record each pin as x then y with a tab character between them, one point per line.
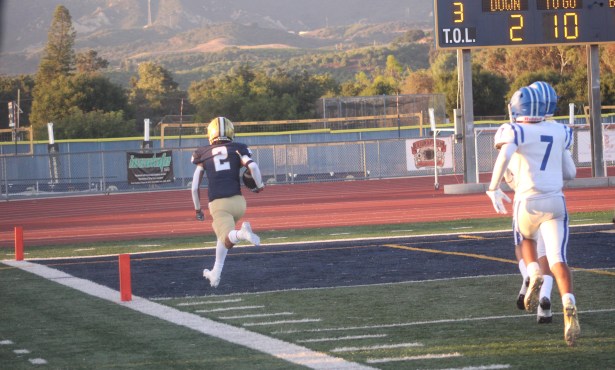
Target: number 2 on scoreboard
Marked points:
515	28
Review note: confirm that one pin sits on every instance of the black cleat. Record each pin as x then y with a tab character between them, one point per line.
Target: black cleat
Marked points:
520	302
522	291
544	311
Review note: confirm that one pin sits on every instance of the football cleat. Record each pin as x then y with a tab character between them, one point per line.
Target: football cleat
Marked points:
522	291
544	311
572	329
214	279
533	291
247	234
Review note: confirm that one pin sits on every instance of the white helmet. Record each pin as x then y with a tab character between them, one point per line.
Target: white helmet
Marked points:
220	129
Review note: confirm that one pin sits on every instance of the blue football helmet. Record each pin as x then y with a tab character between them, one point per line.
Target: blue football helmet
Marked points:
527	106
548	93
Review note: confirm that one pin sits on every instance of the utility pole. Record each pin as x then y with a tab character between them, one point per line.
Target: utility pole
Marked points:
149	13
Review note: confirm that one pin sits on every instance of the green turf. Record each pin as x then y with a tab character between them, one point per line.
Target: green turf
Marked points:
478	320
475	318
281	236
72	330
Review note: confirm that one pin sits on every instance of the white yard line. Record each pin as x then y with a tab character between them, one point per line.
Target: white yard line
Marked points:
380	346
37	361
480	367
237	308
272	346
209	302
280	322
413	358
256	315
335	339
432	322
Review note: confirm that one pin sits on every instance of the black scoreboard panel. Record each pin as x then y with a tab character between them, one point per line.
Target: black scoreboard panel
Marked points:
465	24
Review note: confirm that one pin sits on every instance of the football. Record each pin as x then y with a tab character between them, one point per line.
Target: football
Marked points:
247	179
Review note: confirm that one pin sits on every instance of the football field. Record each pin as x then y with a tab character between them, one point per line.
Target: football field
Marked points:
417	302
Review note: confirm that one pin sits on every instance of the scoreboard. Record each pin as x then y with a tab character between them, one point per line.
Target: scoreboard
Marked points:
466	24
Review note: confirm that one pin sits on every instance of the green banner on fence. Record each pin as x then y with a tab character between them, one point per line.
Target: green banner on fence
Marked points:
150	168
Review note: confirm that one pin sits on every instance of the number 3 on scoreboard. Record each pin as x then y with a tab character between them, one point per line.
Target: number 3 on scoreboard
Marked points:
458	12
515	28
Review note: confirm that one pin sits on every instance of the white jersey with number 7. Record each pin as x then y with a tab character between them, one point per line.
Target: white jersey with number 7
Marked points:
540	148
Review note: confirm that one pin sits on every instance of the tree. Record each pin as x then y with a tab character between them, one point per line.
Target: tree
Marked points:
57	62
66	95
154	93
393	68
90	62
418	82
246	95
93	125
489	89
59	55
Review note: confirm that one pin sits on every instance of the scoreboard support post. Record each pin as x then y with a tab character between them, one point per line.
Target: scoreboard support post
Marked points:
595	122
464	63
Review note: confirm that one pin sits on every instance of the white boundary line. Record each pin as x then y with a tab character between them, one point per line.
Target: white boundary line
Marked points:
272	346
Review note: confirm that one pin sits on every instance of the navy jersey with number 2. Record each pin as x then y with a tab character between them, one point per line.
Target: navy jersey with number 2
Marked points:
222	165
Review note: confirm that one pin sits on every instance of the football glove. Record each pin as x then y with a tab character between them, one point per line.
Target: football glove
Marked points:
200	216
496	197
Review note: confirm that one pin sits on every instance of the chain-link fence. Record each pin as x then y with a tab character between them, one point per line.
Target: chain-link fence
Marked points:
61	173
581	149
72	169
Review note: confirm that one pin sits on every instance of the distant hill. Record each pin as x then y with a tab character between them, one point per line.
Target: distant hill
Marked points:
123	30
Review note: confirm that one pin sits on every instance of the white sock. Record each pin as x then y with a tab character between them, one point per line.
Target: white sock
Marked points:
547	286
522	269
234	237
566	297
221	252
533	269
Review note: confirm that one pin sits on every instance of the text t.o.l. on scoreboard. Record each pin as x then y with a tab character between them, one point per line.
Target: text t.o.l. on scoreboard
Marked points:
465	24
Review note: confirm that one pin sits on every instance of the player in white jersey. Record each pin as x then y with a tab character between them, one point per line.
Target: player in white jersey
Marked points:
543	315
539	204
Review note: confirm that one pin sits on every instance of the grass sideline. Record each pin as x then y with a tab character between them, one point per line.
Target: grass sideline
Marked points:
207	240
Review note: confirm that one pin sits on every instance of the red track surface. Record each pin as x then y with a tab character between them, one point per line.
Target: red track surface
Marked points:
169	213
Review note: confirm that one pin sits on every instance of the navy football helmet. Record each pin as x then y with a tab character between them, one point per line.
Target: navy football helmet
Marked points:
548	93
527	106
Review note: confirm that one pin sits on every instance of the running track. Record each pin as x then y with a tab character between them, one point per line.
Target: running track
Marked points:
130	216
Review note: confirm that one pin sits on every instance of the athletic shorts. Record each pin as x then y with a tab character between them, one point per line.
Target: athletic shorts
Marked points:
225	213
544	218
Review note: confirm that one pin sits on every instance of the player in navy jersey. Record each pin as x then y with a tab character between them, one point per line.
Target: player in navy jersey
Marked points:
540	206
222	161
